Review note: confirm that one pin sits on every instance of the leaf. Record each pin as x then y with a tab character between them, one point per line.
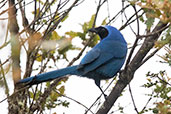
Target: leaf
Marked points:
39	58
54	96
64	18
48	84
104	22
55	36
65	103
160	8
31	94
94	41
141	19
72	34
85	27
37	12
149	22
91	22
61	89
81	35
41	2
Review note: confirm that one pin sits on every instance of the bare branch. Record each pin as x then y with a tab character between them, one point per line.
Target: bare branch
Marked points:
88	42
133	101
47	91
74	101
128	73
136	40
147	102
4	79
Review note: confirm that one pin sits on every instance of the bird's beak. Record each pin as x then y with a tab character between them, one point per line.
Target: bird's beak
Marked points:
93	30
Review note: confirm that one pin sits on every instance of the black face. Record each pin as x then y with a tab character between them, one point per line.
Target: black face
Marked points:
101	31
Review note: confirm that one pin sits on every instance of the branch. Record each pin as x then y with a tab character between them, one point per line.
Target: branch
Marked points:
136	40
147	102
53	27
128	73
95	102
74	101
53	85
24	18
88	42
4	79
47	91
133	101
117	14
15	44
128	22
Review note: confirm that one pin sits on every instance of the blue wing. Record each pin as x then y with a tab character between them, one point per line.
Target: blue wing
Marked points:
101	53
91	56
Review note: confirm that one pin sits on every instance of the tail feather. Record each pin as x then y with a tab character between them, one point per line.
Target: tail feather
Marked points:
49	75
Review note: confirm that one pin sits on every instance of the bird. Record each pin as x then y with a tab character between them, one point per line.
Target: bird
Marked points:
102	62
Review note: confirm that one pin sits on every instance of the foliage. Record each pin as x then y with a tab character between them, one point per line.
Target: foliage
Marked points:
43	48
55	43
161	85
156	9
167	57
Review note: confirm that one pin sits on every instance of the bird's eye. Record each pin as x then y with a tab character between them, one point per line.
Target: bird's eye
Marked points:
103	32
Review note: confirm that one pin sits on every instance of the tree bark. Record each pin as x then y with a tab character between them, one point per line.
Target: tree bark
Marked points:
128	73
15	44
13	102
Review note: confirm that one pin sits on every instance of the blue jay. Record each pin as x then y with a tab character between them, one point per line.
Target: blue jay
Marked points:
102	62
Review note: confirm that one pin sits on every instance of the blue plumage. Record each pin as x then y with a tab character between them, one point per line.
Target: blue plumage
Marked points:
102	62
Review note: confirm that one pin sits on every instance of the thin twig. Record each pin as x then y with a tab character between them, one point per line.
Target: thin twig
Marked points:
147	102
16	92
163	81
136	40
148	57
133	101
34	97
5	81
100	95
117	14
128	22
154	32
88	42
74	101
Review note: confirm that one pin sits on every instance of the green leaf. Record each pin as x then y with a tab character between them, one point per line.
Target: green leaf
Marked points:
31	94
39	57
104	22
141	19
94	41
54	96
91	21
65	103
155	111
40	1
64	18
149	22
85	27
72	34
55	36
81	35
61	89
47	84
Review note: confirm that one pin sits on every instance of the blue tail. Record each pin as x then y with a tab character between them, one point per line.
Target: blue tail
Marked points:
50	75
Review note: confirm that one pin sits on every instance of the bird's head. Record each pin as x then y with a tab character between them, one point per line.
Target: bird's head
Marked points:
101	31
108	32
